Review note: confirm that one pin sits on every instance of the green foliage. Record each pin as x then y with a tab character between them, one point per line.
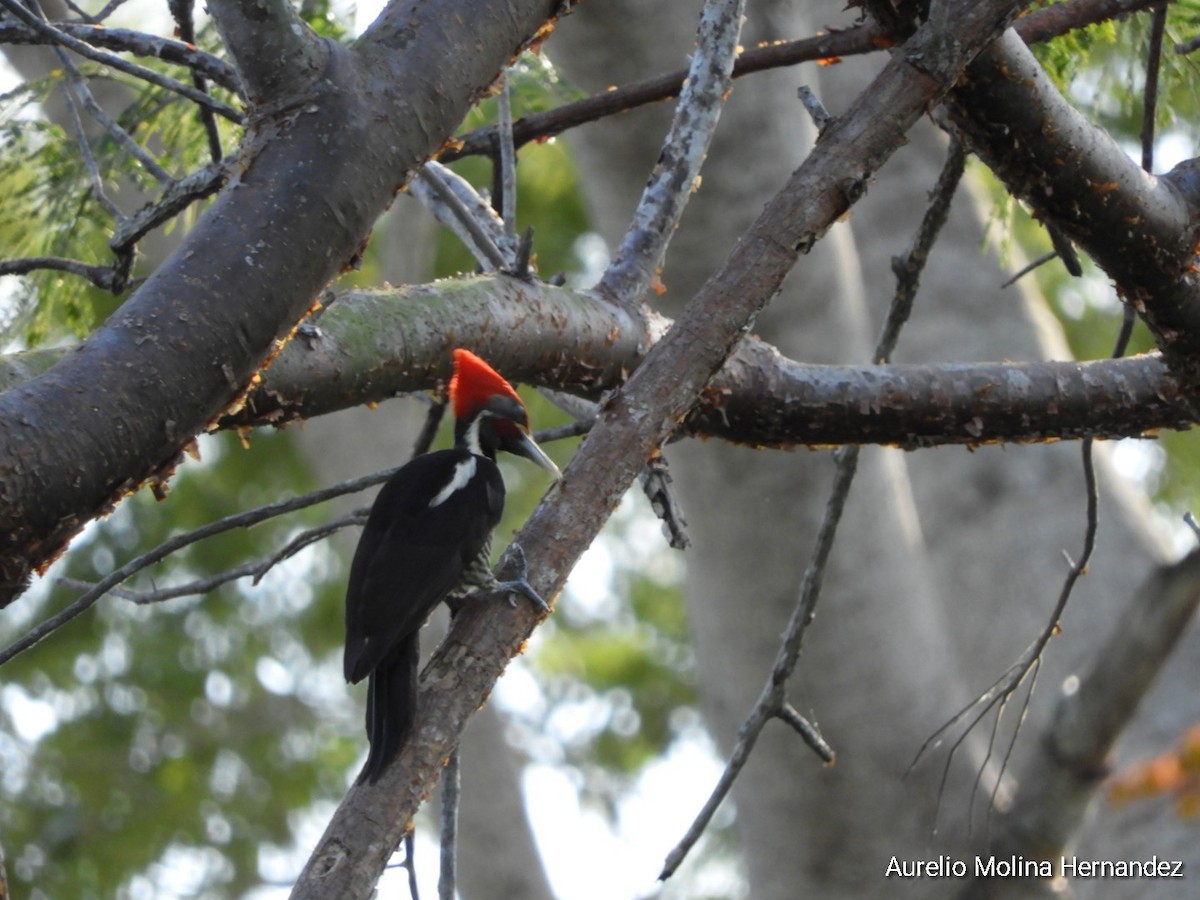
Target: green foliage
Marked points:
189	726
548	195
51	208
323	18
1102	68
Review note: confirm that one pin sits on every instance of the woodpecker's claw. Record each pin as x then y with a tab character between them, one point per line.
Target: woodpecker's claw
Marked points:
520	585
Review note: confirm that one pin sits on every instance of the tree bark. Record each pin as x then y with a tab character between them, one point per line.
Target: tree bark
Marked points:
323	158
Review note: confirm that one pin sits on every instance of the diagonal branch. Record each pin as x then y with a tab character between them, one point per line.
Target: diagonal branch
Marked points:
135	42
671	182
1141	230
84	49
632	425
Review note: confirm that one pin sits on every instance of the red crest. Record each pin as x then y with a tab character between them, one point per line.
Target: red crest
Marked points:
474	383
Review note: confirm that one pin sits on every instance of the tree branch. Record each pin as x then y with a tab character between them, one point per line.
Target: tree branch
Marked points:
368	346
671	182
1141	230
313	177
1039	25
57	36
135	42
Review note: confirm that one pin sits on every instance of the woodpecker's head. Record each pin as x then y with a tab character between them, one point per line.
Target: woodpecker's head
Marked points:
488	414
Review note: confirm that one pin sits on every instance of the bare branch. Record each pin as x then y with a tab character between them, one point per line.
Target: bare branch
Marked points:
109	278
162	551
1039	25
176	197
674	176
1071	756
454	202
63	39
135	42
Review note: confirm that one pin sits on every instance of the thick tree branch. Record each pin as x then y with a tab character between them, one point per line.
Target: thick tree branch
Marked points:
275	52
369	346
631	427
315	171
1141	230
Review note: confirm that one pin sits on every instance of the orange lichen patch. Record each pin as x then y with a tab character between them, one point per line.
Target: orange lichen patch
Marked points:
882	41
1174	774
1102	188
540	37
829	60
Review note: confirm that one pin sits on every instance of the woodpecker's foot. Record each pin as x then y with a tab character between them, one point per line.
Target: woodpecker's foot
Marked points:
520	585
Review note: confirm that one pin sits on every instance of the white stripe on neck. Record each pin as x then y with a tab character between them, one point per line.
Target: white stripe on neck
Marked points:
463	472
472	437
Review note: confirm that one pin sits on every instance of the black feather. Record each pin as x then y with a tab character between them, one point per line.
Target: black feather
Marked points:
413	553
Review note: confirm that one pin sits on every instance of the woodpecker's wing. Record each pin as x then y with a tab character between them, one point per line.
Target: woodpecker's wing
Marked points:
429	522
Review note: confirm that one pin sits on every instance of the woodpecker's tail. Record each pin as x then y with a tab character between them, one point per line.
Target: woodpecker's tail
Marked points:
391	705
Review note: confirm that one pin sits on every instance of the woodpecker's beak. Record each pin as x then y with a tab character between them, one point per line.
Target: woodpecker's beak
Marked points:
525	446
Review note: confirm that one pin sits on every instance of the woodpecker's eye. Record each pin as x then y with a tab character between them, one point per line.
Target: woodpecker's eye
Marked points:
507	410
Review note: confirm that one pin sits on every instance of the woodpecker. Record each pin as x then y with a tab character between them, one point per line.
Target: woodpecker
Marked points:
428	539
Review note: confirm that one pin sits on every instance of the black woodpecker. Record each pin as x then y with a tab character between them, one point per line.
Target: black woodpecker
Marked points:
428	539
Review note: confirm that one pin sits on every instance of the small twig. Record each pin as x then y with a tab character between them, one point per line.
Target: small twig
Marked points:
508	163
89	161
107	278
908	267
181	10
1190	521
410	863
656	484
807	731
1158	27
456	205
451	786
816	110
523	256
1025	270
166	548
696	114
